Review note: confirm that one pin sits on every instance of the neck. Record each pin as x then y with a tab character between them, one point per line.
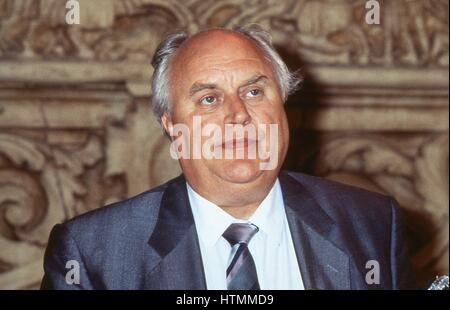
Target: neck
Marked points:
241	212
239	201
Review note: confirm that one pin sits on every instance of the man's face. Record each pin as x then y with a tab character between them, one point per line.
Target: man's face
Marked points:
224	78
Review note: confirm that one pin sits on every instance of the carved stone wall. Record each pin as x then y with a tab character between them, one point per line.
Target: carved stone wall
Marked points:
76	130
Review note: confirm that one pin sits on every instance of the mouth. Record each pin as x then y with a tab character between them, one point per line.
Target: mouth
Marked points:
238	143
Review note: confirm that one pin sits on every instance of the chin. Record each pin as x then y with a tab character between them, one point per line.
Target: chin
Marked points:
241	171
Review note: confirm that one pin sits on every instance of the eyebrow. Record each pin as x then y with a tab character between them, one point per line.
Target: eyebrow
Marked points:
196	87
255	79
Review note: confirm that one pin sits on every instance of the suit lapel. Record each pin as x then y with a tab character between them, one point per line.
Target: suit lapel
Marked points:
174	240
322	264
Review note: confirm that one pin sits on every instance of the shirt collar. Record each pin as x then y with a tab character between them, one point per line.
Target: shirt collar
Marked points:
211	221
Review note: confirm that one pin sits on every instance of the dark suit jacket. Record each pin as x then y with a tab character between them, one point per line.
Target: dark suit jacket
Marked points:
150	241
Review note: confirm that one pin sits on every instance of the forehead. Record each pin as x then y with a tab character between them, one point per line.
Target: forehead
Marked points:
212	54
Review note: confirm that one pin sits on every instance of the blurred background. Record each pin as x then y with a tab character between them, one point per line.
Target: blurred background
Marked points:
76	131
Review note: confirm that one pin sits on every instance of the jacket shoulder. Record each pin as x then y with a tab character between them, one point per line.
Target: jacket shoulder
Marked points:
342	202
137	212
367	226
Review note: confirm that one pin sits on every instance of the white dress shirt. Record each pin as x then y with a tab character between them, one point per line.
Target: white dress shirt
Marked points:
272	248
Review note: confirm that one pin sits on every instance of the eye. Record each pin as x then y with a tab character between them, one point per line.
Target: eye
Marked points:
254	93
208	100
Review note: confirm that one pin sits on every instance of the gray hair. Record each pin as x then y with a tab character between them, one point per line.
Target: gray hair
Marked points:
288	81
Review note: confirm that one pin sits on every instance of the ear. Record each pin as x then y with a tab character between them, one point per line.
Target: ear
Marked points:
166	121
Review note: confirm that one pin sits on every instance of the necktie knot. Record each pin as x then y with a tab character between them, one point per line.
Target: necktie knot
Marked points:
240	233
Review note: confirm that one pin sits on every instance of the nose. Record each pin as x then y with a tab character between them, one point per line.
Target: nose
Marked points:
236	112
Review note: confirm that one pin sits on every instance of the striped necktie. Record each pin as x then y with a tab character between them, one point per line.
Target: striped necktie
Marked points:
241	273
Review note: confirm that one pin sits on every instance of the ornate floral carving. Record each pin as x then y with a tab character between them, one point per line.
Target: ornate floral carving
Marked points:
40	185
324	31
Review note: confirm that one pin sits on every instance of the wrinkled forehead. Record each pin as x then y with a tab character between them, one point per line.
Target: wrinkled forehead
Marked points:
222	46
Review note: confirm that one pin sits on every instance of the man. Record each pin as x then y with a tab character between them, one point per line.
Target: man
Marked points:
231	223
